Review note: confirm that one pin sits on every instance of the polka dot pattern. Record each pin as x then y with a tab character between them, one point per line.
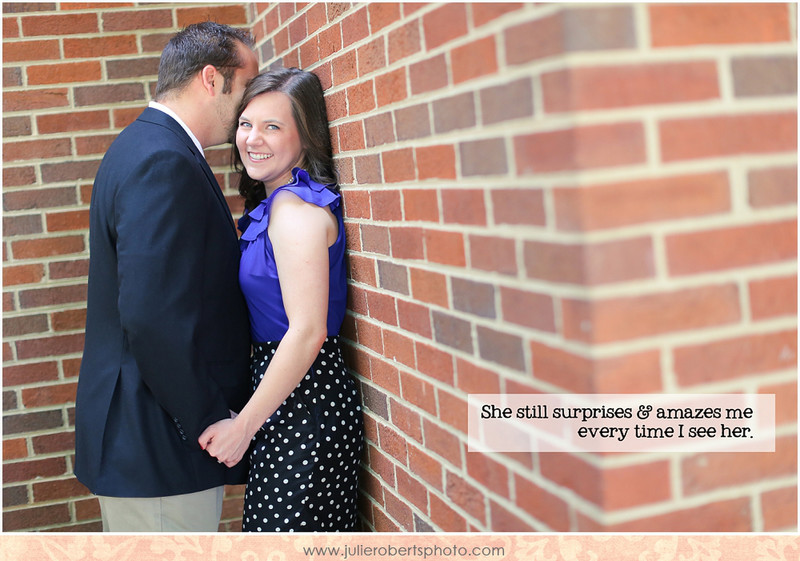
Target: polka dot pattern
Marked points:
304	459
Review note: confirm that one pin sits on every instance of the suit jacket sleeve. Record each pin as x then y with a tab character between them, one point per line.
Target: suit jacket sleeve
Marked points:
160	216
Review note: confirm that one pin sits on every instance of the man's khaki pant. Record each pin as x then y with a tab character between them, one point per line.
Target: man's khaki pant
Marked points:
193	512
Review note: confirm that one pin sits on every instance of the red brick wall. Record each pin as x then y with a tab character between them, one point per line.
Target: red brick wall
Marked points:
539	198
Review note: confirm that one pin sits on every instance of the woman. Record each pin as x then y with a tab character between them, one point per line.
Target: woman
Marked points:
304	418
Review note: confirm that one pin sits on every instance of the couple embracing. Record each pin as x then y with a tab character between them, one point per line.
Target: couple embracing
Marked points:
210	359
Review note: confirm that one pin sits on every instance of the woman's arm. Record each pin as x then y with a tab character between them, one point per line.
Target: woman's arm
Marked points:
300	234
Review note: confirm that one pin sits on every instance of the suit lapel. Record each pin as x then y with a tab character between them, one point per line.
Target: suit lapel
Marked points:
160	118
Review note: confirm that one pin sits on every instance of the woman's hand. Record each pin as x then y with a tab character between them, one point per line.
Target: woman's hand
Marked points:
226	440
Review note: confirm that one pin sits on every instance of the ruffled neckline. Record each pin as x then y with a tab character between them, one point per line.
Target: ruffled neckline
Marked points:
255	222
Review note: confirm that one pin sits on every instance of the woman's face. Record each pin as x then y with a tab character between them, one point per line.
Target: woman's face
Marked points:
268	141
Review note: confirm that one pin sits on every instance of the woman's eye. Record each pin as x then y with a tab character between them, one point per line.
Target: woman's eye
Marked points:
272	127
243	124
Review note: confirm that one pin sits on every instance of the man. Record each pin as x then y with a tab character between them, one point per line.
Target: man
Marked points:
167	340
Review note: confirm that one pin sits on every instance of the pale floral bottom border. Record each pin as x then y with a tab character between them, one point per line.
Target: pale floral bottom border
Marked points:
435	547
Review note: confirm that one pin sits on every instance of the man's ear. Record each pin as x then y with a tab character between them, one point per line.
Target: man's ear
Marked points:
209	77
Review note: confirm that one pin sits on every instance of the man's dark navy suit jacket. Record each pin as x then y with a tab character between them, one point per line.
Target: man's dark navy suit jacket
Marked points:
167	334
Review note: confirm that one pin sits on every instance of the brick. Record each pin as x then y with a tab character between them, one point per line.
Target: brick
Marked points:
702	473
371	56
398	510
393	277
489	473
495	254
398	165
36	149
528	309
25	325
546	507
10	28
613	205
444	24
369	335
101	95
473	60
501	348
68	269
393	443
454	113
513	100
379	130
382	308
336	106
368	170
132	68
15	496
47	247
330	41
472	297
773	297
403	41
429	287
464	206
411	489
485	12
12	77
61	24
121	118
590	264
399	348
23	274
155	42
406	420
65	72
50	346
436	162
414	318
581	147
764	76
474	379
418	392
68	320
361	98
16	126
32	422
503	520
622	318
483	157
391	87
779	509
421	205
412	122
35	517
375	239
362	269
407	243
599	28
95	144
138	19
94	46
355	26
68	220
425	467
428	75
729	248
69	171
386	205
344	67
31	373
708	24
445	248
382	521
445	518
72	121
466	496
734	358
607	87
772	187
375	401
351	136
452	331
728	135
309	54
26	51
519	206
785	401
435	363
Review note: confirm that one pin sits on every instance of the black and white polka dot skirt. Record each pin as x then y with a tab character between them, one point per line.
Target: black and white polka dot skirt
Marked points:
304	460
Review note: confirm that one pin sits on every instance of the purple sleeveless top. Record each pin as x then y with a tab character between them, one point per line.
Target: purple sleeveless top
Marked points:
258	275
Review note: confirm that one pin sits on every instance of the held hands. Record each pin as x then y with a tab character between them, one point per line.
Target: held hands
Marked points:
226	440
